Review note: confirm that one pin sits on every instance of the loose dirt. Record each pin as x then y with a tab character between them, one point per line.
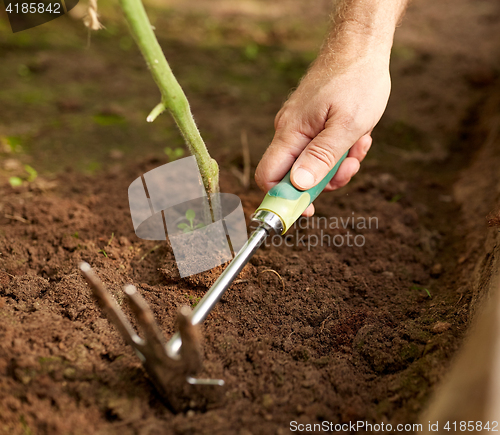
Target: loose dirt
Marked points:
344	333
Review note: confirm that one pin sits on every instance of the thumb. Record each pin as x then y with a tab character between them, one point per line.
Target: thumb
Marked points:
320	156
279	157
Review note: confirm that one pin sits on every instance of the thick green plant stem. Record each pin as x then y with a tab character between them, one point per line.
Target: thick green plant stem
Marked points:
172	96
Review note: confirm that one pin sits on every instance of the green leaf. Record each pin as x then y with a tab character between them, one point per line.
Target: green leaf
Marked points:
190	215
251	51
92	167
199	226
23	71
32	173
14	143
173	154
183	226
15	181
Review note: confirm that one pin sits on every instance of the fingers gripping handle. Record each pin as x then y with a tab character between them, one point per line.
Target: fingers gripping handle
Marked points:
288	202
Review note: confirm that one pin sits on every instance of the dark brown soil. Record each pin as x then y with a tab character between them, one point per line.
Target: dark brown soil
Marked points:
357	332
336	333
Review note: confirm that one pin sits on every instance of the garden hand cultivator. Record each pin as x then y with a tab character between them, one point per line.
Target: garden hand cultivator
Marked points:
180	358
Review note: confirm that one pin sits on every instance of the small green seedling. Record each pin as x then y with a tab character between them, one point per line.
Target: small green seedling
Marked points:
396	198
15	181
173	153
417	287
194	300
32	173
187	228
18	181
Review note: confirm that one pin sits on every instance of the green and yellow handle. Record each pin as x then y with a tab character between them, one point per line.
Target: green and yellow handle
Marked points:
288	202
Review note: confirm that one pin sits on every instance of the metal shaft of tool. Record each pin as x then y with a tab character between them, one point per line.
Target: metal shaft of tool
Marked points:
220	286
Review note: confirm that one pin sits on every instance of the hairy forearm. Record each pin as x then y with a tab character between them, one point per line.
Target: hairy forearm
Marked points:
338	102
360	27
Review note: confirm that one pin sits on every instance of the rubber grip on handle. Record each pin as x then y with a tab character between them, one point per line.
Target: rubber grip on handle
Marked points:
288	202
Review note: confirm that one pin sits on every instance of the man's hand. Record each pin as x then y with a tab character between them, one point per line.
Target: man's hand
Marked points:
334	109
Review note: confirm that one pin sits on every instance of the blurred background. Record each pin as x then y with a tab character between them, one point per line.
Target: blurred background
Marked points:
74	99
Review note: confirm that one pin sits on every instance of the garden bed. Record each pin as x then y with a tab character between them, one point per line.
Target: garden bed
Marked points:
309	332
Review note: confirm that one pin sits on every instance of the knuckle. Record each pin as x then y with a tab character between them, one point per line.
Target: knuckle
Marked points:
283	117
283	120
323	155
278	121
354	121
348	122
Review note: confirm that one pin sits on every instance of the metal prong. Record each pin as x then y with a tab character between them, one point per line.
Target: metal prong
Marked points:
145	319
110	307
164	371
190	349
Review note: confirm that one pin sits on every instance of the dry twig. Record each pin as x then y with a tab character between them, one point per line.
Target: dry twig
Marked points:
244	176
17	218
272	271
91	20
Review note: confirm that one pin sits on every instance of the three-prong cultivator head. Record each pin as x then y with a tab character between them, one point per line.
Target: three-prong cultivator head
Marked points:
167	369
176	361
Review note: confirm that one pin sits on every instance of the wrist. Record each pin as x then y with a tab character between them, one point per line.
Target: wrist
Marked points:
361	29
353	50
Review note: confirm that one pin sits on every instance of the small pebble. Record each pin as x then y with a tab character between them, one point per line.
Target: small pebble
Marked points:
445	198
11	164
440	327
267	401
436	270
116	154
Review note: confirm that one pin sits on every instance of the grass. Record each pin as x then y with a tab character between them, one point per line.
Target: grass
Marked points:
417	287
108	119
